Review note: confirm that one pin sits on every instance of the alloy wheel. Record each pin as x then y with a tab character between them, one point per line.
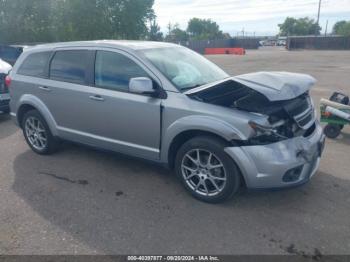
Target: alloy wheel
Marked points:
36	133
203	172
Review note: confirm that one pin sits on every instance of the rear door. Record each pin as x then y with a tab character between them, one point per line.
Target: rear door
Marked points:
64	92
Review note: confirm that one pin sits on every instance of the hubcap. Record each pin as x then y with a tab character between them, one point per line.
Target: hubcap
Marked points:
36	133
203	172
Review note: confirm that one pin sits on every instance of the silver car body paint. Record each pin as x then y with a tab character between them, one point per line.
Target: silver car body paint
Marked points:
145	127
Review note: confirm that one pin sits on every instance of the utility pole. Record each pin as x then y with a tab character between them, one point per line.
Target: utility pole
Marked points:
318	16
325	33
169	26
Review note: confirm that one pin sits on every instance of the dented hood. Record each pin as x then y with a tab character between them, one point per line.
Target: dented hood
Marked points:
275	86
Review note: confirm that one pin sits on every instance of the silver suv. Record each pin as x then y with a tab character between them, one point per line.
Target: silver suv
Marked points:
168	104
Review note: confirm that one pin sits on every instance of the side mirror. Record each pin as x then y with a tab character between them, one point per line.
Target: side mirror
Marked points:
141	85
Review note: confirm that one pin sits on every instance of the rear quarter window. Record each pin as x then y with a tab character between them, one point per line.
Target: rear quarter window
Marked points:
35	65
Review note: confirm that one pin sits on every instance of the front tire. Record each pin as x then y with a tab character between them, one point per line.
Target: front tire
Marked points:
37	133
206	171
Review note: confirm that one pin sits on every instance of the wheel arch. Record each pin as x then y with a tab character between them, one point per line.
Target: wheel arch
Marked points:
185	136
30	102
186	128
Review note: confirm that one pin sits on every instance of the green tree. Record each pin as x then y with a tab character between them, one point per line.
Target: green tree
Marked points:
302	26
203	29
63	20
179	34
176	34
25	21
154	31
96	19
342	28
81	20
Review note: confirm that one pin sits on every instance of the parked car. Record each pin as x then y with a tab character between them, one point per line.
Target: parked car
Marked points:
268	43
168	104
4	94
10	53
281	43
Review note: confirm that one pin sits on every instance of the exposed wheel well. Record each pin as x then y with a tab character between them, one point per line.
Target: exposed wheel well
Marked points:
182	138
22	111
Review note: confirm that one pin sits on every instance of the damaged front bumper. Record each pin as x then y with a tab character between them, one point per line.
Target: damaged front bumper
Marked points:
279	165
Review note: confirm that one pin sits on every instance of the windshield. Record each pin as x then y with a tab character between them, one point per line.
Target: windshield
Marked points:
183	67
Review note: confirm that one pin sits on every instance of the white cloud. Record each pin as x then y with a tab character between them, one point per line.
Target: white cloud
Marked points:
256	15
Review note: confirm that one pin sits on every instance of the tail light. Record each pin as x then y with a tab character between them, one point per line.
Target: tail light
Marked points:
8	81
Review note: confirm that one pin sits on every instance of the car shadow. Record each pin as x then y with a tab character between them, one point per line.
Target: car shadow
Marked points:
121	205
7	127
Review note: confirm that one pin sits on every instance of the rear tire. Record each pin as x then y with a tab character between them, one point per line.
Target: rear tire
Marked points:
206	171
332	131
37	134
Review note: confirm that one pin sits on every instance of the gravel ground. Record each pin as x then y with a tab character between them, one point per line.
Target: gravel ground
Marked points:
82	201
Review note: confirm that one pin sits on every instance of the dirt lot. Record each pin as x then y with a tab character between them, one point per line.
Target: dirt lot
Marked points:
81	201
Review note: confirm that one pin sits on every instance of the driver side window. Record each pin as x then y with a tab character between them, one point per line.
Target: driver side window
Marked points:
113	71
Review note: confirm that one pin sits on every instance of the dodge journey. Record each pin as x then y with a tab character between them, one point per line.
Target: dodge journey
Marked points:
165	103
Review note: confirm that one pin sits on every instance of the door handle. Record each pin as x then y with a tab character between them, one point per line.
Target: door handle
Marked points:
97	98
45	88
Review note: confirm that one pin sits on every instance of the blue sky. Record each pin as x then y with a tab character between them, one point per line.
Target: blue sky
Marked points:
259	16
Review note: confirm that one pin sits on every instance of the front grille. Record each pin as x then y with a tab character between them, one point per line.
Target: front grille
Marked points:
3	88
302	111
305	119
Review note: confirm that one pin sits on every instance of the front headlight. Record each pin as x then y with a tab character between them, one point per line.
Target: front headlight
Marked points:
261	129
266	134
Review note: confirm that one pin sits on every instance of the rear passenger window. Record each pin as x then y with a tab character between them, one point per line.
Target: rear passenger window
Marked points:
113	71
70	66
35	65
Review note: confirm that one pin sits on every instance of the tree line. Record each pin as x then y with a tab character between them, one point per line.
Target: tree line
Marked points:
306	26
206	29
197	29
35	21
342	28
69	20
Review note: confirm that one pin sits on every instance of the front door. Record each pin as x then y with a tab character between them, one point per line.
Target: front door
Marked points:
130	121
